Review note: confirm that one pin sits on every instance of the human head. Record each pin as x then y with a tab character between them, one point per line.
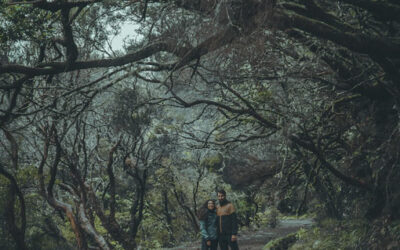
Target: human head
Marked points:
221	195
207	205
210	204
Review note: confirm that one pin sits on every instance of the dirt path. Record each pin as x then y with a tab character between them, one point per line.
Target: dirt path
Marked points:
257	239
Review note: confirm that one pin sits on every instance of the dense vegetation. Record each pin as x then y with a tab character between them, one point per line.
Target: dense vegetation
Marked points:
289	104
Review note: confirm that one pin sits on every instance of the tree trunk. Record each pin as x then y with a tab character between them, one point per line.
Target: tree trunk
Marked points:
18	234
323	193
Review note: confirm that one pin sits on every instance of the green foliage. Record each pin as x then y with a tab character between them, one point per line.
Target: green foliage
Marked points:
21	22
213	163
333	234
263	96
269	218
67	231
129	112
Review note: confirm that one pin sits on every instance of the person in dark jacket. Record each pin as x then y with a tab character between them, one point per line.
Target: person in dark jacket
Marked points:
227	223
208	226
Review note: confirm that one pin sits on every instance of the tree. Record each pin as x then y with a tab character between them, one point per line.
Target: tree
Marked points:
316	81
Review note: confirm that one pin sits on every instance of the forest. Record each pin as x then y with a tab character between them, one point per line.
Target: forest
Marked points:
291	106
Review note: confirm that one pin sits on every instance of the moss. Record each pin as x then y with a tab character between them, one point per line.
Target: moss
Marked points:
282	243
263	96
213	163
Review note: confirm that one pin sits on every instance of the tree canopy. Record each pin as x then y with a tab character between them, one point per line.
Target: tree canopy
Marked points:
292	98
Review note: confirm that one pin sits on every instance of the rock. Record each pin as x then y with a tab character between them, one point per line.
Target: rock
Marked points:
245	170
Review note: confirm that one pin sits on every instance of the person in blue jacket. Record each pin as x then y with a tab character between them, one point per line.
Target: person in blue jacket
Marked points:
208	225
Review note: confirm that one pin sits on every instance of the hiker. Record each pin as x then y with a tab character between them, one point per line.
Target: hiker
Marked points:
208	225
227	223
